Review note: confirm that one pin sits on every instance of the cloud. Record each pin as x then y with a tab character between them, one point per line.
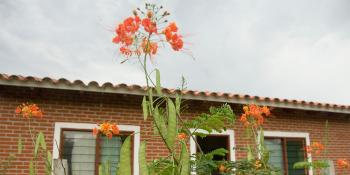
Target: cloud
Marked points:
286	49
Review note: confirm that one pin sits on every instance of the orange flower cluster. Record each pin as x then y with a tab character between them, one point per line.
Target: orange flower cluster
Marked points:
343	164
181	136
172	37
149	47
126	31
315	147
149	25
28	110
108	129
138	35
254	115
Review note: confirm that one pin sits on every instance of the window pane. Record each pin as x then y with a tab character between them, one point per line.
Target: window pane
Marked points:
213	142
110	151
79	150
295	153
276	153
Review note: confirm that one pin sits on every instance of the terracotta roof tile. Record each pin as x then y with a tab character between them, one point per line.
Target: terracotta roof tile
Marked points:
19	80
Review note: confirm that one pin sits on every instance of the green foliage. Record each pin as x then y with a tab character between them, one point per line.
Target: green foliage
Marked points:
178	104
184	160
318	164
249	167
125	158
158	116
204	163
162	166
142	159
31	168
104	168
215	120
145	108
172	124
158	86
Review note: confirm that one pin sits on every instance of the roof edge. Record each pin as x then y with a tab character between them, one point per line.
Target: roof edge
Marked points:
78	85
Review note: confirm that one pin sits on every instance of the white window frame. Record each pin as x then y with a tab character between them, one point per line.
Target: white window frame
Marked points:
229	132
127	128
287	134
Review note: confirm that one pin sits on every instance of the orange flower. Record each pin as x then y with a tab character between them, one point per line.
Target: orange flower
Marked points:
149	47
108	129
181	136
149	26
28	110
315	147
308	149
125	51
115	129
174	39
221	168
172	26
254	115
343	164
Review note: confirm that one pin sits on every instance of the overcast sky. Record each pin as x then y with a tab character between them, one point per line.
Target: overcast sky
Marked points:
295	49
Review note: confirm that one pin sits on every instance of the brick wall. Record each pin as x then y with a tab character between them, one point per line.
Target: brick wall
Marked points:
88	107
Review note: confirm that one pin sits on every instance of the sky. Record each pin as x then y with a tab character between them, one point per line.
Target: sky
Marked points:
292	49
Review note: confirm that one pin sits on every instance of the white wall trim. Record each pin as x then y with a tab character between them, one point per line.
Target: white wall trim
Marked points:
228	132
285	134
130	128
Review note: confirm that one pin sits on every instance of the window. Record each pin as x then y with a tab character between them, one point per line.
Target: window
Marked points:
213	142
284	152
216	140
84	152
287	148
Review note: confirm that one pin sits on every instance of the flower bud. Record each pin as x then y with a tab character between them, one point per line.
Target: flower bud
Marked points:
149	14
134	12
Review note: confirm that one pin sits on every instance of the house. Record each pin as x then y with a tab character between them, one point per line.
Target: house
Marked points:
72	108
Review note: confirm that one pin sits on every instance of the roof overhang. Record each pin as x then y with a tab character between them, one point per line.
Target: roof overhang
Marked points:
78	85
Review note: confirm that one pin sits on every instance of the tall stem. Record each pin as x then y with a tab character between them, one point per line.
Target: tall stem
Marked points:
144	65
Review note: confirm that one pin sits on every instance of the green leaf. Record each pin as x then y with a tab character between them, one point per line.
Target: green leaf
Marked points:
20	145
158	86
301	165
144	108
184	160
100	169
159	121
172	124
250	154
37	144
142	159
31	168
42	141
125	158
178	104
48	163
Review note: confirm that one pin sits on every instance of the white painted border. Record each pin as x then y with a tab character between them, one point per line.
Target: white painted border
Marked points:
228	132
129	128
284	134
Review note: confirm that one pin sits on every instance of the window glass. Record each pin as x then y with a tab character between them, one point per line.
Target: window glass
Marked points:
110	151
295	153
79	150
284	152
276	153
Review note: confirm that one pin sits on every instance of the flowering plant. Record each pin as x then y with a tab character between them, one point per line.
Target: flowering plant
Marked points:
141	33
28	110
106	128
